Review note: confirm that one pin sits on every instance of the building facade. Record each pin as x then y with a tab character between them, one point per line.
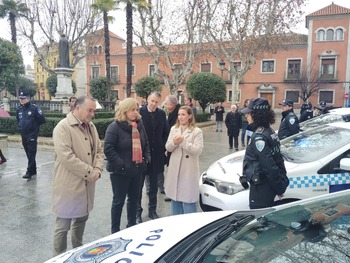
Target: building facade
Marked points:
320	59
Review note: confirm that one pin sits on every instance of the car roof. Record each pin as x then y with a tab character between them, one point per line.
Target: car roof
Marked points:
341	111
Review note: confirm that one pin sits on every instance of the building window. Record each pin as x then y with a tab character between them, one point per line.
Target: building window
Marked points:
294	66
95	50
114	74
327	96
339	34
132	70
99	50
268	66
328	68
320	35
238	96
205	67
292	95
95	72
330	35
151	70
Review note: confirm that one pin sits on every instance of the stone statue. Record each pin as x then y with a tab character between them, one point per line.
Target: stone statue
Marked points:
63	52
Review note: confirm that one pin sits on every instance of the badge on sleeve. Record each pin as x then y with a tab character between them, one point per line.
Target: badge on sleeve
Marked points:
260	145
292	121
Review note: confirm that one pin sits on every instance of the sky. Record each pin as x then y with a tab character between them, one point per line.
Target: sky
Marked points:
118	27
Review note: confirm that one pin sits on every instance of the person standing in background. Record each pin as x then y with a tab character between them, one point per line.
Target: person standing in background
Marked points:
128	154
78	165
72	103
157	130
290	122
188	102
29	118
233	122
219	116
185	142
244	123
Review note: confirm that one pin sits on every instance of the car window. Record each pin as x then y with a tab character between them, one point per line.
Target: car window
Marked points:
314	144
320	120
304	233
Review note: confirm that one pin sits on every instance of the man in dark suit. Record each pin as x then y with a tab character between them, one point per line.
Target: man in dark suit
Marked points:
157	130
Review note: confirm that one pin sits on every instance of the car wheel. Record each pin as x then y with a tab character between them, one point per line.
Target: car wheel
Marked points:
207	208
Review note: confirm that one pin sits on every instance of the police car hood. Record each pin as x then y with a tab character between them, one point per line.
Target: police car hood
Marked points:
229	168
144	242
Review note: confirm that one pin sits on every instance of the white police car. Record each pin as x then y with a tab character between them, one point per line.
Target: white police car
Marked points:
311	230
317	163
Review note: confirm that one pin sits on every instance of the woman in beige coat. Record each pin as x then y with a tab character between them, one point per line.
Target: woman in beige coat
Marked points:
185	142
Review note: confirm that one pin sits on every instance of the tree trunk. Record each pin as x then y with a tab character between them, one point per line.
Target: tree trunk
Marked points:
235	85
12	18
129	33
107	53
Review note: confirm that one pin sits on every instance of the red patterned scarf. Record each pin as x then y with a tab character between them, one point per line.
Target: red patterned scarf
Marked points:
136	144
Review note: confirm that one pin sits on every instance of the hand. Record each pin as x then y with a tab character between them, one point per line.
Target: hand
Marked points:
166	153
178	139
95	178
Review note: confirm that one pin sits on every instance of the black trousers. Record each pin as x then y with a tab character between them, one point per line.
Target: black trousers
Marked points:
122	186
233	140
29	143
151	192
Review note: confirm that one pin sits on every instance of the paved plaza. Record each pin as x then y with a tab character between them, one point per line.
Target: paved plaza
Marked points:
26	227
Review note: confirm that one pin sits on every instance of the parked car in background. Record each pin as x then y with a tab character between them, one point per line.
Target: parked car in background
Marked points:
317	163
311	230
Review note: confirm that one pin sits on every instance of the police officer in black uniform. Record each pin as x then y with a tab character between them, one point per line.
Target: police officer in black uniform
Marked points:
307	114
29	118
289	123
263	165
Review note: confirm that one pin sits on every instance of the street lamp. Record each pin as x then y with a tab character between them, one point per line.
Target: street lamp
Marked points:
222	67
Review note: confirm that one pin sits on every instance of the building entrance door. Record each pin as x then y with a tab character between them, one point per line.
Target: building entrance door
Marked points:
267	96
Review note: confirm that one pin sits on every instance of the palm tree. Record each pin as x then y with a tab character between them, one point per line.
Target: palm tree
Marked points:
129	35
105	6
12	9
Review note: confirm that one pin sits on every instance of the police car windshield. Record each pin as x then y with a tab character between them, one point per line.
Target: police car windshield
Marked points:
314	144
320	120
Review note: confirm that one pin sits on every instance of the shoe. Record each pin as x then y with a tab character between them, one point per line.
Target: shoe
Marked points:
236	149
220	130
216	130
138	219
27	176
167	199
162	192
230	147
243	145
153	215
3	161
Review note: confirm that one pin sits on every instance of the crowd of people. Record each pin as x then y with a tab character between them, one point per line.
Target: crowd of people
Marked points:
159	149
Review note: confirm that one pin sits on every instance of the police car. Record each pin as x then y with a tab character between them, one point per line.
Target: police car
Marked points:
317	163
295	232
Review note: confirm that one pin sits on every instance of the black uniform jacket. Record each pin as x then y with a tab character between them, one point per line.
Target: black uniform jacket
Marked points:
289	124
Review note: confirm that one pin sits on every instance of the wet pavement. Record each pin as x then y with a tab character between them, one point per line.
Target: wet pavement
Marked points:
26	221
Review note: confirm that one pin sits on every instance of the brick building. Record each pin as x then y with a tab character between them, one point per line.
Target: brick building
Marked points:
324	53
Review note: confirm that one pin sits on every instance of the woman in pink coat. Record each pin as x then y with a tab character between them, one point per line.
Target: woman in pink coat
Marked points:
185	142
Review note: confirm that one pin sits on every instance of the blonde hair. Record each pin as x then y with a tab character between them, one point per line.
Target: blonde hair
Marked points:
123	107
191	121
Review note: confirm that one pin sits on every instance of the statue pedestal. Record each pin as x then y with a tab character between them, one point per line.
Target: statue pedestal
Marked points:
64	88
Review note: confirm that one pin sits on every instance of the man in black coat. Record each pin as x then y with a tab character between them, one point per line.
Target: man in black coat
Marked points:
289	123
157	130
233	122
219	116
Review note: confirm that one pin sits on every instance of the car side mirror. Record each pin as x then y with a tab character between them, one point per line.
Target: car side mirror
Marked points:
345	164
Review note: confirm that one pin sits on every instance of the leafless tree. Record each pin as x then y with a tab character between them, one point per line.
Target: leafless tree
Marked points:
46	20
245	30
171	33
310	81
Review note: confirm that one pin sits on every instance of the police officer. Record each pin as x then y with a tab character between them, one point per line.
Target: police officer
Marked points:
289	123
263	165
323	107
29	118
307	114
